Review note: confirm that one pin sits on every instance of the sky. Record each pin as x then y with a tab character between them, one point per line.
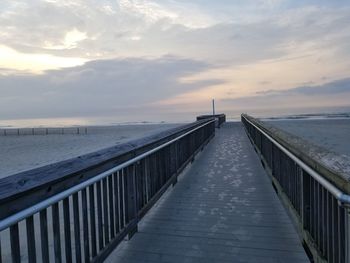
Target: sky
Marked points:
85	61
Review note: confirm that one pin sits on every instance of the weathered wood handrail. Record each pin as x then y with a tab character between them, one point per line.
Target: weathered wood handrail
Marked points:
314	190
101	196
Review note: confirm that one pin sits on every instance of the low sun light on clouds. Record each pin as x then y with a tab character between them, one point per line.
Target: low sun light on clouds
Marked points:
34	63
71	40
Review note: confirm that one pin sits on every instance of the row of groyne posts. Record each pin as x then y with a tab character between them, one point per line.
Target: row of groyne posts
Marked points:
43	131
81	209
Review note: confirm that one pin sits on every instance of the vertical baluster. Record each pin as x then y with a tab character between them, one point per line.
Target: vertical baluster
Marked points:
295	175
341	233
312	207
347	234
30	239
44	236
296	187
111	206
105	210
336	236
121	197
317	215
147	181
300	190
15	248
56	232
328	237
131	198
156	173
330	228
0	250
85	225
306	200
160	158
126	195
99	215
92	221
319	204
160	170
116	201
150	165
67	234
167	163
141	183
323	221
76	227
163	158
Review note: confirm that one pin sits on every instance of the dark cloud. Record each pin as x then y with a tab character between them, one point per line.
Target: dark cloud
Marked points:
335	93
98	87
334	87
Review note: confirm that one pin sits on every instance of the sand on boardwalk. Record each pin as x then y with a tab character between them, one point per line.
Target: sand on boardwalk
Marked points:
25	152
331	134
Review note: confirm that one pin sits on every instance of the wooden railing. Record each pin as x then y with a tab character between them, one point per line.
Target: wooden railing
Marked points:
313	185
81	209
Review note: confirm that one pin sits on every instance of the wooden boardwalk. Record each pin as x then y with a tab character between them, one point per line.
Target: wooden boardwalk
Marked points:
223	209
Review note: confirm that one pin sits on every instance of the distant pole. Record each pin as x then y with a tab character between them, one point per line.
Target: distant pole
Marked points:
213	107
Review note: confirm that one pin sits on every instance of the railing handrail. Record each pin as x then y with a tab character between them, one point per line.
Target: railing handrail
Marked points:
12	219
339	194
24	189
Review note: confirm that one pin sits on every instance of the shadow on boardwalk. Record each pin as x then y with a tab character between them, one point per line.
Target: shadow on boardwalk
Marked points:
223	209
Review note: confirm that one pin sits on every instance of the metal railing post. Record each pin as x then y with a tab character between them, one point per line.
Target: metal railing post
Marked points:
176	146
132	198
301	196
347	234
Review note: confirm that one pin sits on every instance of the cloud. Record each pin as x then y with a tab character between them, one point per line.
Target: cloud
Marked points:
334	87
98	88
334	93
195	30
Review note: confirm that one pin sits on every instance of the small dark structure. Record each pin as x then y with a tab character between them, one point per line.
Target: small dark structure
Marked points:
220	118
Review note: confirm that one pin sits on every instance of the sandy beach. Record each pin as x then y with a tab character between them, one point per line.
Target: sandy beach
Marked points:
331	134
21	153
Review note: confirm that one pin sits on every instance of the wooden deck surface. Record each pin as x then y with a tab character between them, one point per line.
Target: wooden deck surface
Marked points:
223	209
